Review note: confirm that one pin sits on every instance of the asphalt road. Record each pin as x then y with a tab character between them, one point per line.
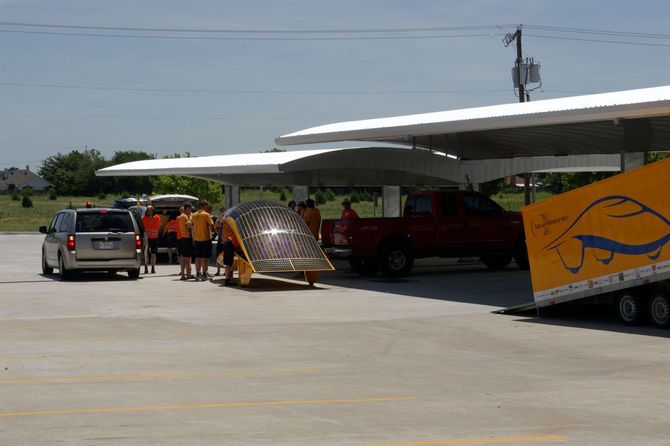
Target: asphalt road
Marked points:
351	361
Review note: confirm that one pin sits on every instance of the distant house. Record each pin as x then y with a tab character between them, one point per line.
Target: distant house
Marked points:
14	179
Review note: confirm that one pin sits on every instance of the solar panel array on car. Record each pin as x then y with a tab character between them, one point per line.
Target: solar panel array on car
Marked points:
276	238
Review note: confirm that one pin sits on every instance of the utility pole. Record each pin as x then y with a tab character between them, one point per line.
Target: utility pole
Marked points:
519	61
520	81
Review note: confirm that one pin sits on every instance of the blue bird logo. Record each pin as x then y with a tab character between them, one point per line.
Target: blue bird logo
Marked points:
631	219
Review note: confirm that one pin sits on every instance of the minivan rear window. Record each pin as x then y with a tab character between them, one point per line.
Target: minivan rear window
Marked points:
104	222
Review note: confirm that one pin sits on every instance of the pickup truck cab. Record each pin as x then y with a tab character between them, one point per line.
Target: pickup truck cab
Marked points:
434	224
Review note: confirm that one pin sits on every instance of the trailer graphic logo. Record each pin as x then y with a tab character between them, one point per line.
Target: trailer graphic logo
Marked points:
547	222
633	229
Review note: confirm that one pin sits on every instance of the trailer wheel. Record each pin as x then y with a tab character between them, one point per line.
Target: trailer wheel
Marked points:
395	259
659	310
630	308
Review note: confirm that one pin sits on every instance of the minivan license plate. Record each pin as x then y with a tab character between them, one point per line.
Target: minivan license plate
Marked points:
105	245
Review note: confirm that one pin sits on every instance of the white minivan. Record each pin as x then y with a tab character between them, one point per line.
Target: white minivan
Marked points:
92	239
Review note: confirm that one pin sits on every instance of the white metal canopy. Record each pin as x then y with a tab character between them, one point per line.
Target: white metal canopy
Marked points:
390	166
630	121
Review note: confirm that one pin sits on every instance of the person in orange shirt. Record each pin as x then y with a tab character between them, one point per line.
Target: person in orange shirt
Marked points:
185	241
202	225
152	225
171	228
312	217
347	212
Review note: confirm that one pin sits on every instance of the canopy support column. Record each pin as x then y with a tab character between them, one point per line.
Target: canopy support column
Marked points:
231	196
632	160
391	198
300	193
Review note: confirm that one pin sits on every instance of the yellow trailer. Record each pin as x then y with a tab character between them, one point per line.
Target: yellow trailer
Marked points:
605	239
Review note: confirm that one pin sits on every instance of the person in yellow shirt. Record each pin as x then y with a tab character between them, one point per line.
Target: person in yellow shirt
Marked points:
202	225
185	241
312	217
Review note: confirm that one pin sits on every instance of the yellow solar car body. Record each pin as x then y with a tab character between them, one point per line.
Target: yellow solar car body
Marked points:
274	238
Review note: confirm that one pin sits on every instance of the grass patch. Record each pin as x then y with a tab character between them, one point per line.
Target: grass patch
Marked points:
14	218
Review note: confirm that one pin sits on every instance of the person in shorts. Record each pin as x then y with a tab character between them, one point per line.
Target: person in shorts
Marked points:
185	242
152	225
171	228
202	226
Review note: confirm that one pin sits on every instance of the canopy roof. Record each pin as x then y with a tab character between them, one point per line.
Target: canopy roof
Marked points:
348	166
631	121
362	166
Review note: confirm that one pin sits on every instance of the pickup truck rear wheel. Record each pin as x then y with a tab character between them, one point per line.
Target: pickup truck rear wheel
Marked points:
395	260
659	310
496	261
365	266
630	307
521	254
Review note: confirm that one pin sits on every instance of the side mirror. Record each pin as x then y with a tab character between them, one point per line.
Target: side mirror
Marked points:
43	229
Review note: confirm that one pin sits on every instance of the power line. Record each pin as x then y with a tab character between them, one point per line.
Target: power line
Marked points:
143	36
619	42
598	31
129	117
251	92
255	31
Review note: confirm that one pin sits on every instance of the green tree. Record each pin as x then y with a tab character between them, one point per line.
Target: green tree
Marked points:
203	189
26	202
136	185
74	173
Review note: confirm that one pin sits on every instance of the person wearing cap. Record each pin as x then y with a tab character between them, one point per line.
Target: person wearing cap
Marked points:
312	217
347	212
152	225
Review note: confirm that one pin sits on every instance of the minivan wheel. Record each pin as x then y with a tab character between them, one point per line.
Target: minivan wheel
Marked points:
62	272
659	309
46	269
134	273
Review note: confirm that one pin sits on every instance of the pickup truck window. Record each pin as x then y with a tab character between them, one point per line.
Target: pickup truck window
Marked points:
449	205
480	205
419	205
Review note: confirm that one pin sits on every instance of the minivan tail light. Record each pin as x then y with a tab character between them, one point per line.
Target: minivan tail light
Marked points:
70	242
138	242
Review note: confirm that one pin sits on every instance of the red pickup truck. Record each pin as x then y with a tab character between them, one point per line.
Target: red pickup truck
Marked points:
434	224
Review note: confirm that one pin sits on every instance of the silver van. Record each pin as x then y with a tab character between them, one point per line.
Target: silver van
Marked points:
92	239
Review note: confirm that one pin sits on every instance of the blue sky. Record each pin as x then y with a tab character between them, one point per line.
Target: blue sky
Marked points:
219	96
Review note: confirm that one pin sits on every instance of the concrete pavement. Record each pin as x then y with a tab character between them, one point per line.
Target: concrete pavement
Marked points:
352	361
